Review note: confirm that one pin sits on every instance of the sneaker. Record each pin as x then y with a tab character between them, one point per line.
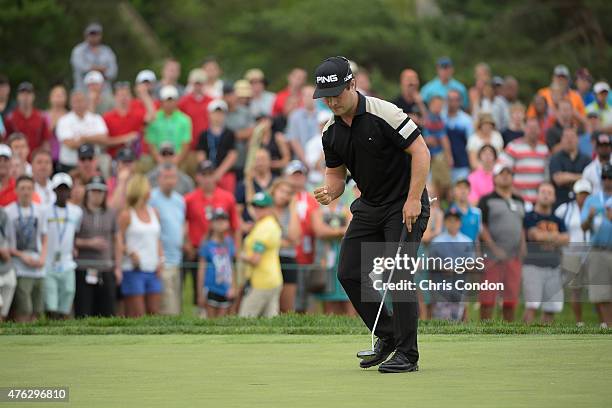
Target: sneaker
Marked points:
399	363
383	349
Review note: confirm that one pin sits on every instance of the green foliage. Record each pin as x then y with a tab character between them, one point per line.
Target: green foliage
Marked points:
517	37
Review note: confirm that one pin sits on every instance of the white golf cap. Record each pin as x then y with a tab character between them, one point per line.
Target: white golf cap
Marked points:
582	186
217	104
93	77
601	87
561	70
168	92
499	167
5	151
146	75
295	166
61	179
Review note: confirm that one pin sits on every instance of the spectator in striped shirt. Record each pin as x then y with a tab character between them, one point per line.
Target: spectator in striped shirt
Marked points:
528	158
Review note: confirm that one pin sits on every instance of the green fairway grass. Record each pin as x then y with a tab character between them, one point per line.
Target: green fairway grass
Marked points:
311	371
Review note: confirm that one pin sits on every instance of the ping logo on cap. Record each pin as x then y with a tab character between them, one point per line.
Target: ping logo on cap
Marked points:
327	79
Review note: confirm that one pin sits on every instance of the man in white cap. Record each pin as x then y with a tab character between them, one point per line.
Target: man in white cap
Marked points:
560	79
601	105
92	55
573	259
169	125
63	220
99	98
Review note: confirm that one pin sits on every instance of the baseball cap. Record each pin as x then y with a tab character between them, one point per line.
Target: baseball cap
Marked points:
262	199
93	77
126	155
61	179
331	76
96	183
243	89
592	114
197	75
295	166
452	212
166	147
5	151
93	28
254	74
582	186
205	167
86	151
219	214
499	168
217	104
485	117
146	75
602	139
444	62
497	81
606	171
561	70
168	92
601	87
25	87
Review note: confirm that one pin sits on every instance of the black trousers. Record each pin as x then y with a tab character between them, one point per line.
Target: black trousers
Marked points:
95	300
382	224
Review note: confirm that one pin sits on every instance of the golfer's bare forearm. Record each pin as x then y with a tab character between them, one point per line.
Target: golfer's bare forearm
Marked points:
335	180
419	167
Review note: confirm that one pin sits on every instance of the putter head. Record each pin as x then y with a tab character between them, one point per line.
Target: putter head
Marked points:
366	354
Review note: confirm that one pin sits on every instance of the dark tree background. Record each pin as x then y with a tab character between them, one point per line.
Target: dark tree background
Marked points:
519	37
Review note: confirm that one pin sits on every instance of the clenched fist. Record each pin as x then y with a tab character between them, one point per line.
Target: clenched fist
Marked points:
322	195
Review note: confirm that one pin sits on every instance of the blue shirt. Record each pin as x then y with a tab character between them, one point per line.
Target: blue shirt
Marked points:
471	221
218	257
447	246
172	219
601	231
436	87
458	130
302	125
433	128
584	145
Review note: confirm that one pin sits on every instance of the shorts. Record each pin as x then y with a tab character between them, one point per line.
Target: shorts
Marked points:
29	296
600	275
543	288
507	272
137	283
261	302
216	300
8	283
59	291
573	267
289	269
440	171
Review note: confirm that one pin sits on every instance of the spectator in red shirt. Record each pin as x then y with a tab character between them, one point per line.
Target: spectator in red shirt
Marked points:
195	103
27	119
145	100
290	97
199	206
7	184
125	123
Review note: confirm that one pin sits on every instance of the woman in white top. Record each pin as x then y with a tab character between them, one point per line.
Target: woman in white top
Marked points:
142	248
574	255
485	134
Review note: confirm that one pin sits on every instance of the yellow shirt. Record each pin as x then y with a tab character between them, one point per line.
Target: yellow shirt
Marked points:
265	239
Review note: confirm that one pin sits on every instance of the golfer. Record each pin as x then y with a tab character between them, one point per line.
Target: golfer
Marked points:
386	155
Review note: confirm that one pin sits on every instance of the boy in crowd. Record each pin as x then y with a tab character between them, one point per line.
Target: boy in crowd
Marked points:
542	281
19	145
471	217
29	250
63	220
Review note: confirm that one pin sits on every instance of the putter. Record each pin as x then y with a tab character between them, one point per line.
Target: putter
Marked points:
371	354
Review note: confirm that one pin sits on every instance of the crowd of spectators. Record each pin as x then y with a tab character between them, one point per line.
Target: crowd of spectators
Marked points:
120	190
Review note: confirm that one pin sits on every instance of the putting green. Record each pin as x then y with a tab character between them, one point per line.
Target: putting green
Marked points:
311	371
